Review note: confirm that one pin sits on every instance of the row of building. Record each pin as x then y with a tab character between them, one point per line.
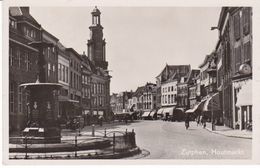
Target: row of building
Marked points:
34	52
221	89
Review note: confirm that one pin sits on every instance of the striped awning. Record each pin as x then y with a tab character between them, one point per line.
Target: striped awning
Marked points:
160	111
152	113
146	114
168	110
212	103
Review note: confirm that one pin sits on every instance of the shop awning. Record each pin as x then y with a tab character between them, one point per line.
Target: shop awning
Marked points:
119	113
192	110
201	104
132	107
130	113
168	110
160	111
244	96
101	113
69	100
146	114
181	109
152	113
212	103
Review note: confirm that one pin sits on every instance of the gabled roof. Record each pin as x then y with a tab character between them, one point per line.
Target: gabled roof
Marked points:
22	12
192	74
171	72
139	90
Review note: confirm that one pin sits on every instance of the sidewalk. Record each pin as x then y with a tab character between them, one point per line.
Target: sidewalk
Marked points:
229	132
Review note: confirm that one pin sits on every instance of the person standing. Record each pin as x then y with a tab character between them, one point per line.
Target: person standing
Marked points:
203	120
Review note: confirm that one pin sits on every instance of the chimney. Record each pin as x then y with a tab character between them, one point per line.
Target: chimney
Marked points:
26	9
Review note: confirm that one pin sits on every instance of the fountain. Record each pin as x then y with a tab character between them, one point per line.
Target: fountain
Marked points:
41	120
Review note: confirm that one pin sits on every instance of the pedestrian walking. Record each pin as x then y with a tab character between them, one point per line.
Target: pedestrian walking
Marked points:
187	121
203	121
198	120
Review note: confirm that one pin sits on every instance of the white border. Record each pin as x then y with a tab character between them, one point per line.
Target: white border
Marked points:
133	3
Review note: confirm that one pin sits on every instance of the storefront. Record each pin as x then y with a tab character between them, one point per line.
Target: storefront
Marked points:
243	104
212	109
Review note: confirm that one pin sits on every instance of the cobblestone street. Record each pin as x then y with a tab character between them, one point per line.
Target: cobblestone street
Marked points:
170	140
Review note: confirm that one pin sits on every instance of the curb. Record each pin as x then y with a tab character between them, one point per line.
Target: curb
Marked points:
233	136
119	155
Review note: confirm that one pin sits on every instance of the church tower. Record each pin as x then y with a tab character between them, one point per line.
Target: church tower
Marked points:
96	43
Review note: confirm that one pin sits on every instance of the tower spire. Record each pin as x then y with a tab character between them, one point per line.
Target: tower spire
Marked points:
96	43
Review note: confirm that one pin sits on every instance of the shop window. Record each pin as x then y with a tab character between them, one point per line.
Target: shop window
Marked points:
237	26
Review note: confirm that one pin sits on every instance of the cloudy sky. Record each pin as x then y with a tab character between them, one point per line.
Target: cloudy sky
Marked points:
140	40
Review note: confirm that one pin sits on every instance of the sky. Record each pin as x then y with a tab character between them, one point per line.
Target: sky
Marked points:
140	40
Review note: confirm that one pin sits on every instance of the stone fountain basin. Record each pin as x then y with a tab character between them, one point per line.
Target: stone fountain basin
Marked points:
67	145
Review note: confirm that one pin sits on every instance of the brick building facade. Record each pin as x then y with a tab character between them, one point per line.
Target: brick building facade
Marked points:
23	63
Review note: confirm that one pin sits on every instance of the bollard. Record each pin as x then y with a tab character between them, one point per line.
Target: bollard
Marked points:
105	133
133	130
114	142
93	130
79	131
76	146
26	156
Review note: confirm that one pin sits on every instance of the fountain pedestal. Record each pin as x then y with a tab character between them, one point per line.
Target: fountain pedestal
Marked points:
42	122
